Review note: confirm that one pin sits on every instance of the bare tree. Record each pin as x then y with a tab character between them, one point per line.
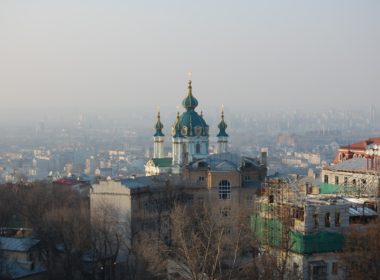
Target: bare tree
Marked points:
361	253
203	245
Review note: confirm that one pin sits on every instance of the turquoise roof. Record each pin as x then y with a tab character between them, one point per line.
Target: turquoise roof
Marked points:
159	126
177	127
190	123
194	124
162	162
190	102
222	127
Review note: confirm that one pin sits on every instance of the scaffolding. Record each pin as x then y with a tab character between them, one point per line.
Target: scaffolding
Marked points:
280	212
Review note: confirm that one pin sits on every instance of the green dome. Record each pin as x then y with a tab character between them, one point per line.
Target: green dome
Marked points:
193	124
159	126
222	127
177	127
190	102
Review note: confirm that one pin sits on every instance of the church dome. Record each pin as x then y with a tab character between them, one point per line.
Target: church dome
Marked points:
159	126
190	123
177	127
222	127
190	102
193	124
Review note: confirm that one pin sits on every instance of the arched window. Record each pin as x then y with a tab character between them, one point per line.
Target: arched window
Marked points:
198	148
224	190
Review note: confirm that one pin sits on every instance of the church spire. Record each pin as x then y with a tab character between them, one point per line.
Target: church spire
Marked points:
159	126
190	102
222	126
177	127
158	139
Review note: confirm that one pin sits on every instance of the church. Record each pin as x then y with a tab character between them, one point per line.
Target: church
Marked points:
190	155
227	181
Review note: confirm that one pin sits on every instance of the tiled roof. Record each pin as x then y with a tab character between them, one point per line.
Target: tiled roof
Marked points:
363	143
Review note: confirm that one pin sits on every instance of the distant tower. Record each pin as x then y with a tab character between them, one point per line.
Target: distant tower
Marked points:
158	139
178	143
222	136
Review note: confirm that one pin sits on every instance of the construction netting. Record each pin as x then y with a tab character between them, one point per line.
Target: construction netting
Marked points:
270	231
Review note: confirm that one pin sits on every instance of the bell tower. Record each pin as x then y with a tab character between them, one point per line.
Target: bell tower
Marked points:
158	139
222	136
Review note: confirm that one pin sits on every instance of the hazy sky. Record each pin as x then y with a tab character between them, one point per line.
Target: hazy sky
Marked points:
109	55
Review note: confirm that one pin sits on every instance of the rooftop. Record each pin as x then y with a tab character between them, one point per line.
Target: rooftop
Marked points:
17	244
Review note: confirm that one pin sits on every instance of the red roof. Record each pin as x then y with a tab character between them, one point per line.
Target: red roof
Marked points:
362	144
355	148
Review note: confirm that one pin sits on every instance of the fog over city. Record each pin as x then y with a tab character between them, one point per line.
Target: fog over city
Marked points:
124	58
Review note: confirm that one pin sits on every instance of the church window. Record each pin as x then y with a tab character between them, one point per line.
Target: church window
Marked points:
198	148
224	190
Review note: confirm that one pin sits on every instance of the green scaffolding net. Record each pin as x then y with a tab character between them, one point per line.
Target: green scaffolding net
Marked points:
271	232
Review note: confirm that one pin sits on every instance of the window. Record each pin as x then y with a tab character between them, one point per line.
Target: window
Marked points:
327	219
345	181
247	178
326	179
224	189
201	178
336	180
334	268
354	182
197	148
316	220
337	219
295	267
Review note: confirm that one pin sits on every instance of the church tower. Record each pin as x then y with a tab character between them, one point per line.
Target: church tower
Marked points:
178	145
158	139
222	136
191	130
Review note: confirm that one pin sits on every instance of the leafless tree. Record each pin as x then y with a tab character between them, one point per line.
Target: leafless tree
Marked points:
361	256
204	244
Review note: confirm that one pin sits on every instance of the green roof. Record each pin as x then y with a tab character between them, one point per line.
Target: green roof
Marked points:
190	102
162	162
193	121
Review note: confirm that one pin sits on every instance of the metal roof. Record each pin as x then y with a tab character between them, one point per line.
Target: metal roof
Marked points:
17	244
